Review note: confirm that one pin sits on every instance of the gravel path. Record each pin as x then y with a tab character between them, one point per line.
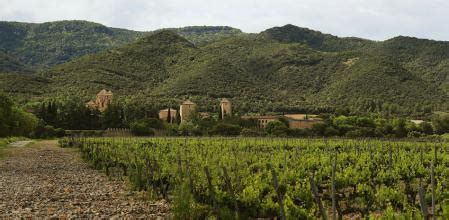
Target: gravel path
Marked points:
43	180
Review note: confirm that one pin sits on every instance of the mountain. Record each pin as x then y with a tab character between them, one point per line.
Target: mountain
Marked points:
293	70
128	69
50	43
205	34
12	64
47	44
315	39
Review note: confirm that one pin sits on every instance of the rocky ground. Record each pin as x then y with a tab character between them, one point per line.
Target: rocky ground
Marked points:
43	180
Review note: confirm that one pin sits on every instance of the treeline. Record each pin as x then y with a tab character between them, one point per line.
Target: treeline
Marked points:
373	126
54	118
143	120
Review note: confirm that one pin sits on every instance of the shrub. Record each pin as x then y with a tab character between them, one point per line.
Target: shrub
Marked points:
250	133
226	129
171	129
141	128
60	132
188	129
276	128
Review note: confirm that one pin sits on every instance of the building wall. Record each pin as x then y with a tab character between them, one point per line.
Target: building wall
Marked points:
103	99
264	121
226	109
163	115
185	110
302	124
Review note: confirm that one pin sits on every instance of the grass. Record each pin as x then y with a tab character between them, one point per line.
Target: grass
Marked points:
445	136
4	143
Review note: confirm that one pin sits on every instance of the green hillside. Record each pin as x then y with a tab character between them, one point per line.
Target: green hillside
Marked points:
11	64
47	44
303	71
315	39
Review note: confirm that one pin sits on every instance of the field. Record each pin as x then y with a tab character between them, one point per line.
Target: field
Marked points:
285	178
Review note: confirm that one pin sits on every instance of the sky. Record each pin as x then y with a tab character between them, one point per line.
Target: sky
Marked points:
371	19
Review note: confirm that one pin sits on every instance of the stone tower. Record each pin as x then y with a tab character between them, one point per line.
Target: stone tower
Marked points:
226	108
103	99
186	109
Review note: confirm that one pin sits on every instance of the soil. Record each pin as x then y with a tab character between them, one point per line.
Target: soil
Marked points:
44	180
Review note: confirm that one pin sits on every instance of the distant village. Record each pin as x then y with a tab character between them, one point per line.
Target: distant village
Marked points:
170	115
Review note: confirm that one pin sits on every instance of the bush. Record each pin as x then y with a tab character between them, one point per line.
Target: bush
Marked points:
426	128
441	124
44	131
226	129
251	133
60	132
299	132
141	128
85	133
415	134
276	128
171	129
330	131
50	131
153	123
188	129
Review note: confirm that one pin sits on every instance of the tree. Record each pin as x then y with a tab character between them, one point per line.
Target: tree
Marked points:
226	129
169	116
276	128
441	123
426	128
5	114
112	117
187	129
399	127
141	128
15	121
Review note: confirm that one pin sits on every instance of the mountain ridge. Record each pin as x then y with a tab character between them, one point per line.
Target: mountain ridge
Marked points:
286	69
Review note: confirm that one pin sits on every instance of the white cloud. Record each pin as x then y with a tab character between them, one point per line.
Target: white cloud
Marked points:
373	19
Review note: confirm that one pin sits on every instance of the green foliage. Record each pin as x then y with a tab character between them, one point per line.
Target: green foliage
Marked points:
286	69
140	128
113	117
14	121
50	43
276	128
225	129
188	129
441	123
367	181
315	39
11	64
145	127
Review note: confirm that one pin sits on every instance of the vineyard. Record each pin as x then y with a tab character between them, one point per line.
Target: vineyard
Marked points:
285	178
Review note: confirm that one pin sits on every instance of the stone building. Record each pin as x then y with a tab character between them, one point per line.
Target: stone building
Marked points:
185	110
301	121
167	113
294	121
226	108
102	100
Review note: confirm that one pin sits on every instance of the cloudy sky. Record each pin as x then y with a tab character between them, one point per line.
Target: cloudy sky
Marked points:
372	19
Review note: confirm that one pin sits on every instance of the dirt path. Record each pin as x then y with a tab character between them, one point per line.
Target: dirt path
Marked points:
43	180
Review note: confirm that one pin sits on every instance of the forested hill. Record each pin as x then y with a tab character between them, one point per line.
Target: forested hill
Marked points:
315	39
283	69
11	64
47	44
